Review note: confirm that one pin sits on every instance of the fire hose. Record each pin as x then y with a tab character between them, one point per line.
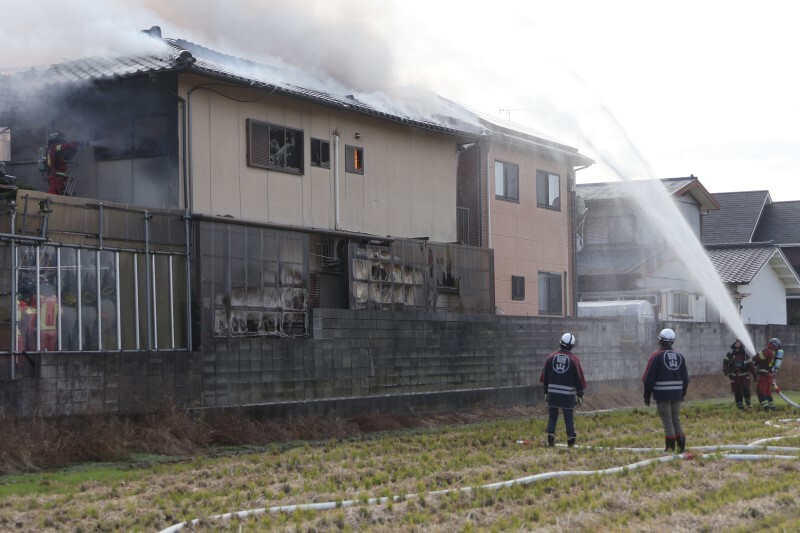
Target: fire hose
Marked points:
321	506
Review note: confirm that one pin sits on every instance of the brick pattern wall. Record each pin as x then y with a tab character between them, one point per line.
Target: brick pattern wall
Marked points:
360	360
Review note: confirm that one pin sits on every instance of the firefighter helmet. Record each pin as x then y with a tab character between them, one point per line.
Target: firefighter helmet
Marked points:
55	138
667	336
567	341
26	287
774	343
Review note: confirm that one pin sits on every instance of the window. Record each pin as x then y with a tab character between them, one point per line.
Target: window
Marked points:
354	159
548	190
274	147
320	153
517	287
506	181
680	304
549	293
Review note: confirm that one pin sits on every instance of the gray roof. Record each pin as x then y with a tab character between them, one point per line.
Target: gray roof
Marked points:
179	55
625	189
740	264
736	220
780	223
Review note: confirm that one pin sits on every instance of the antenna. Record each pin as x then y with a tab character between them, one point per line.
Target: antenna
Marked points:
509	110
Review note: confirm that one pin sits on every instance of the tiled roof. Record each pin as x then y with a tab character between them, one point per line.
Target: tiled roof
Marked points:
736	219
780	223
620	189
739	264
181	55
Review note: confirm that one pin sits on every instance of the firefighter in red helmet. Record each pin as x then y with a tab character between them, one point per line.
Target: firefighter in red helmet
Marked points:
763	363
59	152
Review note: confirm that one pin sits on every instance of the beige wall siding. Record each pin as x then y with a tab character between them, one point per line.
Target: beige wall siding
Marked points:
408	188
527	239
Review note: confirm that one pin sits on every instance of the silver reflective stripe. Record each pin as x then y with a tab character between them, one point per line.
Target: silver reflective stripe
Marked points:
560	389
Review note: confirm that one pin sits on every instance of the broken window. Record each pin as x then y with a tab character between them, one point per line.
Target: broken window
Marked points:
320	153
506	181
354	159
274	147
548	190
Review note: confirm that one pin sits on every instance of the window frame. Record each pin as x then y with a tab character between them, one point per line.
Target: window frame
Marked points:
678	299
350	161
260	148
506	181
543	190
553	282
321	146
518	288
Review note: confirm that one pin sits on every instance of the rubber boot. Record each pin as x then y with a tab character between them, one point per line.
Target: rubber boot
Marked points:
571	440
669	444
551	440
681	444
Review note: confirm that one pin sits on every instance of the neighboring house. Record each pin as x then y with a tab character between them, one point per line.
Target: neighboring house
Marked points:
755	245
621	256
529	180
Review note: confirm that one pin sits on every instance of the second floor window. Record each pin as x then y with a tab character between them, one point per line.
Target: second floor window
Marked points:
320	153
548	190
506	181
354	159
274	147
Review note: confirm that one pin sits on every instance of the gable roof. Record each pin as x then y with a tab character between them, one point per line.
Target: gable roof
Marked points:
178	55
780	224
736	220
739	264
625	189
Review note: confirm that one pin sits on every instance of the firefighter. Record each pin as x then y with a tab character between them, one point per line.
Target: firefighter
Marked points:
737	366
48	316
666	379
564	385
59	151
763	363
26	315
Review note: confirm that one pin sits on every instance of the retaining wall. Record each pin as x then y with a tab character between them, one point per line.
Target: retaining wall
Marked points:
359	361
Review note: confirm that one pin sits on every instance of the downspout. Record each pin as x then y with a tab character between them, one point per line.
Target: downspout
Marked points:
488	201
573	188
12	207
336	177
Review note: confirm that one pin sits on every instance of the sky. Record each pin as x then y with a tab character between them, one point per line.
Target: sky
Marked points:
647	89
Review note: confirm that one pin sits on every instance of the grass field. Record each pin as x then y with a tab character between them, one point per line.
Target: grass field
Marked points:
422	467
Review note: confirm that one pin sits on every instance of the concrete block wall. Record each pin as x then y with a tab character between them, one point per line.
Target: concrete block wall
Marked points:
359	361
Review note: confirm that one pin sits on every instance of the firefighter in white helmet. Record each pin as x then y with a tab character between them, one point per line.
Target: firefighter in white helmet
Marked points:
666	379
564	385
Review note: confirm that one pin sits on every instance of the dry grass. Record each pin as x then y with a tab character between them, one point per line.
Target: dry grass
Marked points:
46	443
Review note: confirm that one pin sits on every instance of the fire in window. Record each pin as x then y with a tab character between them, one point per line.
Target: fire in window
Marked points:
354	160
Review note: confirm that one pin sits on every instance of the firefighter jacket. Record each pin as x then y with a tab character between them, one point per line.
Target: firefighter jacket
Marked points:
562	377
666	377
762	361
736	363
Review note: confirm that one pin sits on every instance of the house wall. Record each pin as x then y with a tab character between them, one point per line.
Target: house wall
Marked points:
528	239
360	361
408	188
766	300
